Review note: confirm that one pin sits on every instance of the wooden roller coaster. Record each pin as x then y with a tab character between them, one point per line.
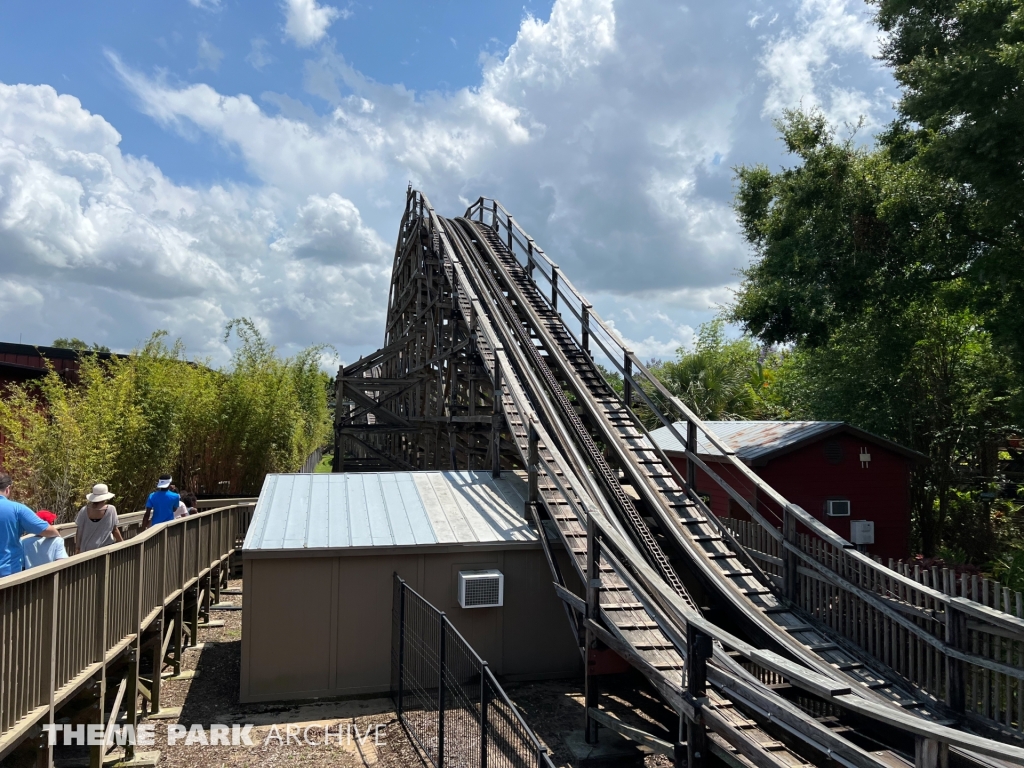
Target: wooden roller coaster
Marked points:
787	648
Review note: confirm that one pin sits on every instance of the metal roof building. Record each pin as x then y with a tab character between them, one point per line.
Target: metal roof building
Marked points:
327	512
319	560
756	441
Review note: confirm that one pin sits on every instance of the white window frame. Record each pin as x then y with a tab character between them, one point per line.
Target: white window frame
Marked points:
830	513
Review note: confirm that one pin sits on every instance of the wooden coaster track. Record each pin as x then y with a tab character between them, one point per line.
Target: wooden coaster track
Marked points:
480	369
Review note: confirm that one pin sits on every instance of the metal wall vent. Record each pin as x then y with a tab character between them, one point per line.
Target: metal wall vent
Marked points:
481	589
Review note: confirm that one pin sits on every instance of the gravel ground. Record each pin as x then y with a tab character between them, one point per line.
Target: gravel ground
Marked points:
554	709
371	734
212	697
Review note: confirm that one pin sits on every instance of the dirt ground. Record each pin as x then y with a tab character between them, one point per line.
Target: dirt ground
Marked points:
370	732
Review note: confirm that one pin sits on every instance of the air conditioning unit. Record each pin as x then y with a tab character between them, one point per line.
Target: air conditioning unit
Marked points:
837	508
481	589
862	531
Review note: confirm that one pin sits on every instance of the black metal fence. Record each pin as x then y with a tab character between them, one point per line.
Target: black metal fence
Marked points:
447	697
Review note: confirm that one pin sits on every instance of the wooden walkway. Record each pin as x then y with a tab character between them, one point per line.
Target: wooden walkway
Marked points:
70	628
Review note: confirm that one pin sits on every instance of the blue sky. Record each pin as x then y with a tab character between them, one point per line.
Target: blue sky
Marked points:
425	46
176	164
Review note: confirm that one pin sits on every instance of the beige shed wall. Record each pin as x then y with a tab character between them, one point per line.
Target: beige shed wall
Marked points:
321	626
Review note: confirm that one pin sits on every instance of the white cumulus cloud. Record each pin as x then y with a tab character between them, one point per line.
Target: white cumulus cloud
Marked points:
306	22
610	131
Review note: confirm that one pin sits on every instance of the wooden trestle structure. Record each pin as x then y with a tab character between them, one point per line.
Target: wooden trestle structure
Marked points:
785	648
424	400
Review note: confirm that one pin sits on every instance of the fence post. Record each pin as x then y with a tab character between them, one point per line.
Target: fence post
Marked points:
956	637
440	692
483	714
401	645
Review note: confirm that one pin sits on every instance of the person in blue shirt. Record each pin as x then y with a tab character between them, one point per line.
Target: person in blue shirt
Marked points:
161	503
40	550
15	521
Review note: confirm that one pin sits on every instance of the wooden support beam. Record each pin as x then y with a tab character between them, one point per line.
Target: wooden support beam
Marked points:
652	742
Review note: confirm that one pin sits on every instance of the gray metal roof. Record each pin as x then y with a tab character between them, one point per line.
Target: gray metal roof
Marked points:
751	440
387	509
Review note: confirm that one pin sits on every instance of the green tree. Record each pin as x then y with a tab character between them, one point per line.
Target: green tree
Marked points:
133	417
78	345
961	117
856	259
722	378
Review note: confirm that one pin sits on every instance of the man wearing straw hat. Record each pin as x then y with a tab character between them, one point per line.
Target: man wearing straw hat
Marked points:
16	519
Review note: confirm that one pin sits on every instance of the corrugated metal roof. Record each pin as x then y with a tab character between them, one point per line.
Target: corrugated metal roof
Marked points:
387	509
750	440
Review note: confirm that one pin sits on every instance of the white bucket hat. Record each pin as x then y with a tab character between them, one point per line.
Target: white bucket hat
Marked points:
100	492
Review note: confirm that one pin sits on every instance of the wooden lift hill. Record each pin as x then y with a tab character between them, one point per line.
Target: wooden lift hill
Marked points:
490	362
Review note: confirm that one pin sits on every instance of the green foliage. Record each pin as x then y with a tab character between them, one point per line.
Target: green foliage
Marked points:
856	262
721	378
1009	569
844	231
961	118
78	345
134	417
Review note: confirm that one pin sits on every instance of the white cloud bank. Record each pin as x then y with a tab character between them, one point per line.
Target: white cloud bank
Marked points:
608	130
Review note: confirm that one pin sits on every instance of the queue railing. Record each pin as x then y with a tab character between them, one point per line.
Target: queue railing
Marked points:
447	697
61	623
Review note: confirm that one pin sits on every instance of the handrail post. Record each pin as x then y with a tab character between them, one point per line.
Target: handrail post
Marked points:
530	265
789	559
627	375
441	671
158	665
698	650
483	714
532	460
554	287
509	225
53	597
585	329
496	420
691	449
591	694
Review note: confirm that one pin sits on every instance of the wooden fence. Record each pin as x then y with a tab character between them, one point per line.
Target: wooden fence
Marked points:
960	640
62	623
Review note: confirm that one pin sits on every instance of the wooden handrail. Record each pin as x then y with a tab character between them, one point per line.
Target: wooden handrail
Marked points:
61	623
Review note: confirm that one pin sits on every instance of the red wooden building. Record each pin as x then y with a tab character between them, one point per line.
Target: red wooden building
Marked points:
21	362
836	472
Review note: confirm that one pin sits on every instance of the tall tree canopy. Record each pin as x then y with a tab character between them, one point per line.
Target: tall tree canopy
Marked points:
862	260
961	117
